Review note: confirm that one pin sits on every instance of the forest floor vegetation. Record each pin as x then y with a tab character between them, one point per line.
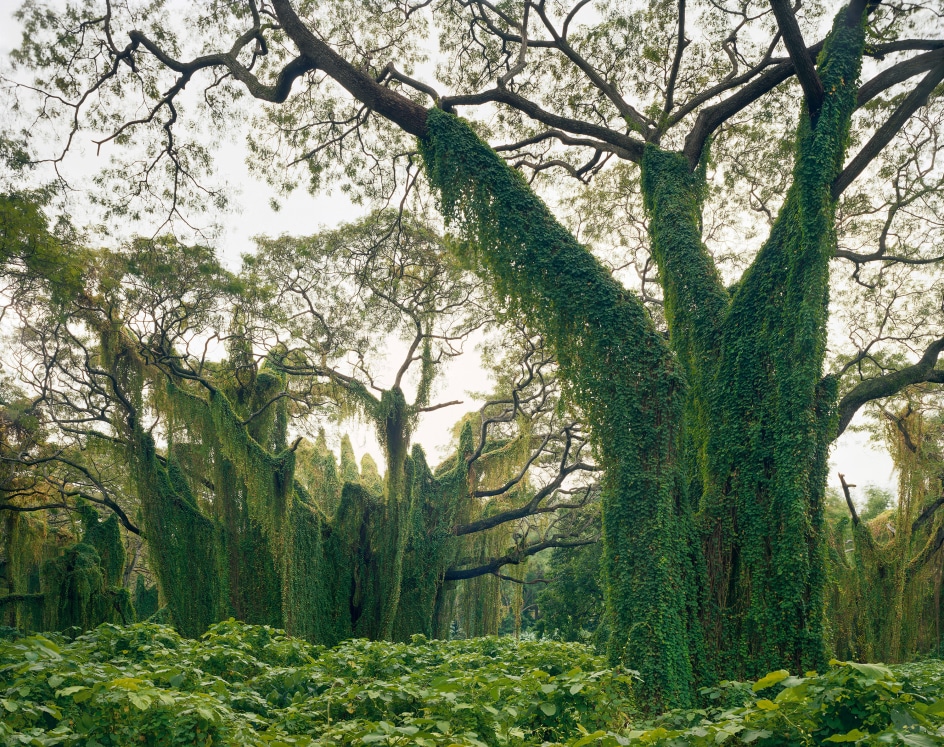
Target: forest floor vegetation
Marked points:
241	684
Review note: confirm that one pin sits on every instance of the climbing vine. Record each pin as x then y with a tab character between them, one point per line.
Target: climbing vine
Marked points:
618	369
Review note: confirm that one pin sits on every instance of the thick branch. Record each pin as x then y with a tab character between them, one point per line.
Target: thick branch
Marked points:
400	110
927	514
883	136
680	45
884	386
899	74
934	543
803	62
512	558
849	503
712	117
624	146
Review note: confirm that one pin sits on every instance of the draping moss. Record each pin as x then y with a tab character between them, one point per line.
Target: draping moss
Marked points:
105	537
25	549
885	584
82	586
145	599
185	547
617	368
437	504
232	532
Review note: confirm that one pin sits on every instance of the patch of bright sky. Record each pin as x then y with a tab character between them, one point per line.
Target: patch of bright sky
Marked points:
301	213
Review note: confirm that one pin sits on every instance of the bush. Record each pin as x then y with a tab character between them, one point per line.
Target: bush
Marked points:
253	685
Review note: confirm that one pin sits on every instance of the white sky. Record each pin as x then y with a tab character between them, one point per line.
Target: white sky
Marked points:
304	214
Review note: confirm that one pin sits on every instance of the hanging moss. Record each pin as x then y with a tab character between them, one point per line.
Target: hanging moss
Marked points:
75	593
145	599
186	548
349	471
886	585
431	547
25	549
618	370
105	537
370	475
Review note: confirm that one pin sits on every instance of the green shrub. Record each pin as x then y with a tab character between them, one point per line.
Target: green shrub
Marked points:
253	685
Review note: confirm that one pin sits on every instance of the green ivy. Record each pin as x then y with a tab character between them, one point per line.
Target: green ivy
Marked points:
617	368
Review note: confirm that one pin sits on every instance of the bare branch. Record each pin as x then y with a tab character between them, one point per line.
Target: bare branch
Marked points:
884	386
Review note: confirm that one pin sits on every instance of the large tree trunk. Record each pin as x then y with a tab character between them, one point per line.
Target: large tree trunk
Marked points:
749	437
759	411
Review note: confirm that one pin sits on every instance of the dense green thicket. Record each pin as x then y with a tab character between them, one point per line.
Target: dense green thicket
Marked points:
885	600
249	685
64	581
233	532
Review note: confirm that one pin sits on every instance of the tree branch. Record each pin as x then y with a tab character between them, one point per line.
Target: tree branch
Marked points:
803	62
513	558
927	514
885	386
400	110
917	98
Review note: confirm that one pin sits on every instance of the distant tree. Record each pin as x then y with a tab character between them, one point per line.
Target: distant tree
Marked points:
204	447
877	501
890	608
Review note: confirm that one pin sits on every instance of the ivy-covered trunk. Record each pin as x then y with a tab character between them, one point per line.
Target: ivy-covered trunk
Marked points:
617	368
759	409
713	492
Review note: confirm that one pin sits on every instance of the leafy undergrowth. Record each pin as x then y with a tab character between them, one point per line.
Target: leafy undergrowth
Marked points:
248	685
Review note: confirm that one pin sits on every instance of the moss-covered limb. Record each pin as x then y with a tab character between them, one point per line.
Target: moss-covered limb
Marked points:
616	367
696	301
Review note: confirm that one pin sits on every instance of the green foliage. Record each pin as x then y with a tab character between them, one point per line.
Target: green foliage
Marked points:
252	685
877	501
30	252
145	599
849	703
571	605
248	685
885	600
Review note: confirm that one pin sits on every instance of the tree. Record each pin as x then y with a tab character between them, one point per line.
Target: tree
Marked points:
891	570
714	442
230	528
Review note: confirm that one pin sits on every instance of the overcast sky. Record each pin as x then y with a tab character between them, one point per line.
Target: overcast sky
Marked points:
304	214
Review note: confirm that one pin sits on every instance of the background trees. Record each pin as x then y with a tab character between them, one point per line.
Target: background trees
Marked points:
182	394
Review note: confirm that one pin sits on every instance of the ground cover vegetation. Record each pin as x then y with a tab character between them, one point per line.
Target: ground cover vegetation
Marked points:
252	685
752	181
